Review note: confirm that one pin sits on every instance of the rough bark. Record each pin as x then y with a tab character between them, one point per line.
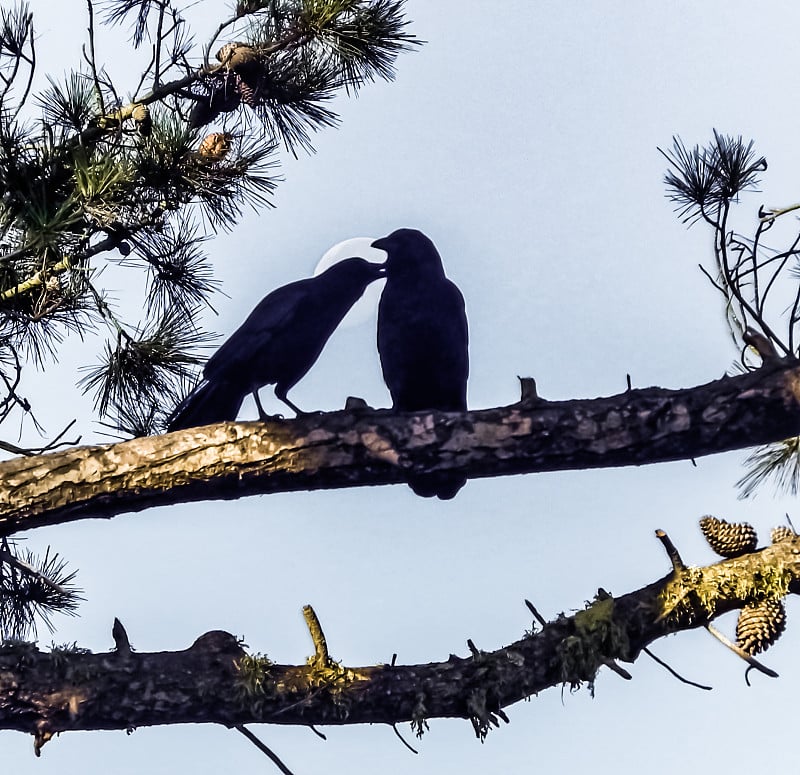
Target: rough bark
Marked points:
215	682
358	448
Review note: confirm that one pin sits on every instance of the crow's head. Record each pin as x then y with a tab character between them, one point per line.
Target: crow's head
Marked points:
410	252
354	273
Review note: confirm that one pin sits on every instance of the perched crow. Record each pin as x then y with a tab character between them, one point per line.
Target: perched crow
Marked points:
422	339
278	343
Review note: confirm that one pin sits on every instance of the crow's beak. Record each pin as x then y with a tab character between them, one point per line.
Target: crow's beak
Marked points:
381	244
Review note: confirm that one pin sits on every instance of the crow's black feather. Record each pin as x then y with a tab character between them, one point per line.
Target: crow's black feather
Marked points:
277	344
422	339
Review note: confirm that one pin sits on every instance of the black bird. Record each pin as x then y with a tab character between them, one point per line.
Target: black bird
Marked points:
422	339
278	343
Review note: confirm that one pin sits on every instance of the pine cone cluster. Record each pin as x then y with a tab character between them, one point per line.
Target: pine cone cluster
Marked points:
224	92
729	539
760	625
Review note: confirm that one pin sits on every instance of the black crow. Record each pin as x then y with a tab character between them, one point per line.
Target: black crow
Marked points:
422	339
278	343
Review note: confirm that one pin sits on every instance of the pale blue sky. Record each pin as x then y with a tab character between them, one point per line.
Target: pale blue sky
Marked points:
522	138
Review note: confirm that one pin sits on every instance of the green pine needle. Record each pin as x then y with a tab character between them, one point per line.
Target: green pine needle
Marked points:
779	462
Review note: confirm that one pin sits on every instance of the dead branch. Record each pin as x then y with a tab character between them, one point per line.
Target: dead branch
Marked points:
215	681
352	449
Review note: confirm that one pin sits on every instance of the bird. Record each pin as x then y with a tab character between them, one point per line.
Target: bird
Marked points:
422	340
277	344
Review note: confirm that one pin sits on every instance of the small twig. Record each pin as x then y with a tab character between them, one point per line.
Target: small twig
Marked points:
403	740
264	749
618	669
777	212
207	49
732	291
120	636
93	61
317	732
159	42
31	66
749	658
7	556
673	672
532	608
761	344
673	554
712	280
321	656
527	390
474	650
31	451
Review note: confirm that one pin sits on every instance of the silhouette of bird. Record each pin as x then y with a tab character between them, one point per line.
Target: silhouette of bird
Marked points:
278	343
422	340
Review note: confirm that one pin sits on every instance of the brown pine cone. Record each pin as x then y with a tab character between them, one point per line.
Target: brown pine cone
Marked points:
215	147
141	116
782	533
246	91
237	56
729	539
760	625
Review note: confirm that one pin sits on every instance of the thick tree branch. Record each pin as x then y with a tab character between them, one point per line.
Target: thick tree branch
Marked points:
216	681
357	448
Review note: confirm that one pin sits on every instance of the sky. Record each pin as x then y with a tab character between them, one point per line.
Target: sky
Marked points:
522	138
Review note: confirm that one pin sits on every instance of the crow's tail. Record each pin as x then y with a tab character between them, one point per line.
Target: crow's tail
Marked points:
208	403
441	485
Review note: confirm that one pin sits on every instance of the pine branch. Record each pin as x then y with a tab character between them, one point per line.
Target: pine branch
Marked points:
32	590
216	681
359	448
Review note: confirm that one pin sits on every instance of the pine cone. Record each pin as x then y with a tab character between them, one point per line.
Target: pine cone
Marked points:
760	625
782	533
238	56
215	147
729	539
141	116
247	93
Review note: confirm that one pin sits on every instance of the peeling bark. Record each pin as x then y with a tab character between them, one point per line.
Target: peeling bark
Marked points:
215	682
358	448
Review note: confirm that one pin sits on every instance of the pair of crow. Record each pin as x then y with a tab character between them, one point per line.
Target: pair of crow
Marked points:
422	341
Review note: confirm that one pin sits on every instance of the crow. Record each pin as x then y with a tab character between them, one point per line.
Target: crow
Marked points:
422	340
278	343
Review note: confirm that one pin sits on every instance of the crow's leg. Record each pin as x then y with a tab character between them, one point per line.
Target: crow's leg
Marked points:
262	415
280	393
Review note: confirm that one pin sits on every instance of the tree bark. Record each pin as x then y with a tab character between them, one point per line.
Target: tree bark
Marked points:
214	681
368	447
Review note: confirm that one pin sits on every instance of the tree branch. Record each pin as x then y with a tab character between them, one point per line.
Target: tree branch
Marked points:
215	681
351	449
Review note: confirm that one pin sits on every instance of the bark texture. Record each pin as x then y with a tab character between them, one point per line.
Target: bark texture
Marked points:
214	681
358	448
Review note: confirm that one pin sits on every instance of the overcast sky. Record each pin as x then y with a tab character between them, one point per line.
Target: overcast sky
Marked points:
522	139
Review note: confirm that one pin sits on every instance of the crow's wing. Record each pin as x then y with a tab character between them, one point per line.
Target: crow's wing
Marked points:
272	318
